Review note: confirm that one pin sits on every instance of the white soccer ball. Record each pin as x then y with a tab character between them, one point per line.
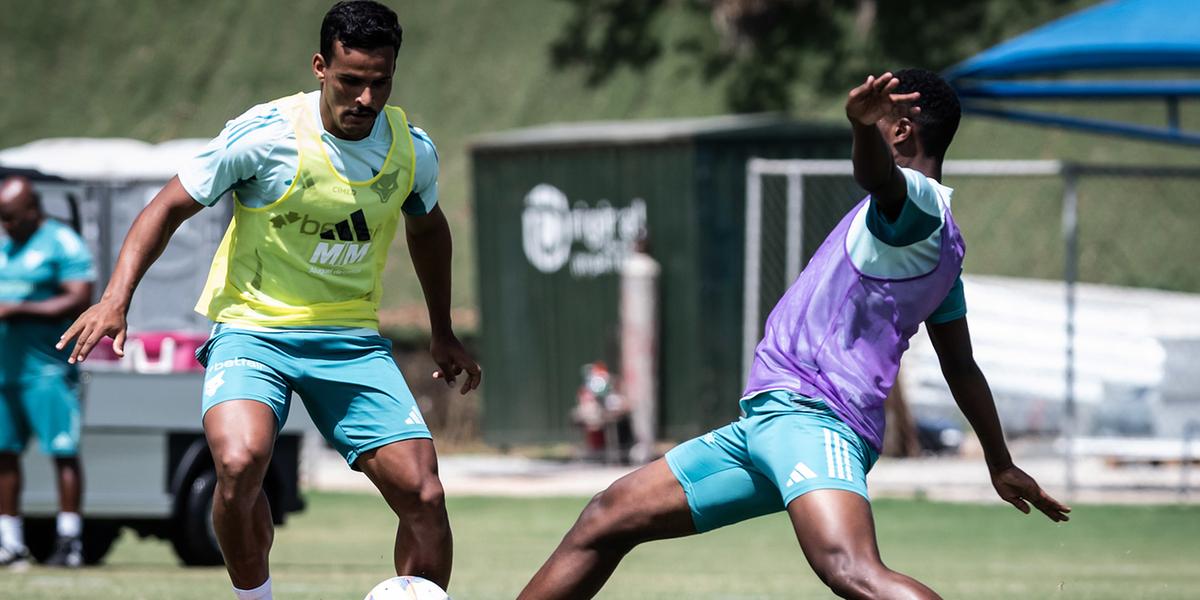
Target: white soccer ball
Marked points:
407	588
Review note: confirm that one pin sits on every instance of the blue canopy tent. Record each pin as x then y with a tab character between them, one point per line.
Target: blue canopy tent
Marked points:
1120	35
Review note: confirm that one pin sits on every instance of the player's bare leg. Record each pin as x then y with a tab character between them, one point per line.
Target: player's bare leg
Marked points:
837	533
648	504
241	436
406	474
10	483
70	483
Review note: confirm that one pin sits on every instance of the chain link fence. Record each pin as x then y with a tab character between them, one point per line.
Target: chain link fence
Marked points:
1082	290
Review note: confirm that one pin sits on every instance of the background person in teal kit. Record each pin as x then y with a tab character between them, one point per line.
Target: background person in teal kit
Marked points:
46	277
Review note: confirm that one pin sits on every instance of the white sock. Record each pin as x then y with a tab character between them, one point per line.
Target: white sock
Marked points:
262	592
12	532
70	524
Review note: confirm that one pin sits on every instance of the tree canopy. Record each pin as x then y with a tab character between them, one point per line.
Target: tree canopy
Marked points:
761	52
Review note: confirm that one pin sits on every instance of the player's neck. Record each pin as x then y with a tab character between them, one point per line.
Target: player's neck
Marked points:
926	165
21	238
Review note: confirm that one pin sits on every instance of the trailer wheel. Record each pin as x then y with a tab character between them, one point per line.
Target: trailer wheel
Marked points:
193	537
98	538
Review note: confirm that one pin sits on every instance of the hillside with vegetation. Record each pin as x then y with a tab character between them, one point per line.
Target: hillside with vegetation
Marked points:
177	68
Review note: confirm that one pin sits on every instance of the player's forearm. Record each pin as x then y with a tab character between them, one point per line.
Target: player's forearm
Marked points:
873	164
431	250
875	170
974	398
147	238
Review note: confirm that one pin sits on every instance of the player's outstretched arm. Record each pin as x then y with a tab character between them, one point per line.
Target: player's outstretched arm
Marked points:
431	247
146	240
874	168
952	341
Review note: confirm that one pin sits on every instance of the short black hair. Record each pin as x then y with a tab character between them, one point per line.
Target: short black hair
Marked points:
940	110
361	24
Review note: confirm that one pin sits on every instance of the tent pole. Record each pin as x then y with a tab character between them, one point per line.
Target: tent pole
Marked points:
1173	113
1070	223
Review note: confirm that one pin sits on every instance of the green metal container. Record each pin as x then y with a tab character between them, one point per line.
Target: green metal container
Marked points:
556	209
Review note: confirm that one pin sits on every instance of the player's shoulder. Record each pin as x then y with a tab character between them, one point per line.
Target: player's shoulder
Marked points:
926	193
262	124
259	112
422	143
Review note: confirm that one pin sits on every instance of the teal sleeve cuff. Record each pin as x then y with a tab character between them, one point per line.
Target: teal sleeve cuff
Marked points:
953	307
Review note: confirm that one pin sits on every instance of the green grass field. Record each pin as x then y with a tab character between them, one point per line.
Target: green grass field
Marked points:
341	546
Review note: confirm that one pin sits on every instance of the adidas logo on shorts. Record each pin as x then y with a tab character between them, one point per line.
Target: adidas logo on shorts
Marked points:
799	473
837	456
414	417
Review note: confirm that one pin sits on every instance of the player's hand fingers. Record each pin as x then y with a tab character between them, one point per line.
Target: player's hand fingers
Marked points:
83	344
909	97
69	334
1020	504
444	375
78	336
1050	507
118	344
882	81
448	372
858	91
474	374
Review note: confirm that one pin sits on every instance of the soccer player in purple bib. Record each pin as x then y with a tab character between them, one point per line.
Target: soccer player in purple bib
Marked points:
813	406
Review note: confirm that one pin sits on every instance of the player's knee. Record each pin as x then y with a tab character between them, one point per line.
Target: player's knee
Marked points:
240	470
416	497
431	497
849	577
67	462
604	522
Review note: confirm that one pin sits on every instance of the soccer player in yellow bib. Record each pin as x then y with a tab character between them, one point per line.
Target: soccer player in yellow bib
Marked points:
320	183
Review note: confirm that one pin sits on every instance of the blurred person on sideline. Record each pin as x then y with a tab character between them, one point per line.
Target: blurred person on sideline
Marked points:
321	182
814	401
46	278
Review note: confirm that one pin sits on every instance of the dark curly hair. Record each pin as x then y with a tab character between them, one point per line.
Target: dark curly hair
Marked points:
361	24
940	110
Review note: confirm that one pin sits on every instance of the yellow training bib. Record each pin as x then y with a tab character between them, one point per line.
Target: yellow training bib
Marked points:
315	255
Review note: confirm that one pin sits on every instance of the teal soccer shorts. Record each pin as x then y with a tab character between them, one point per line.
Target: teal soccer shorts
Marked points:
349	383
786	445
47	406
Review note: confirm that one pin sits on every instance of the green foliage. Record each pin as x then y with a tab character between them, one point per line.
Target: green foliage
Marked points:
762	52
165	69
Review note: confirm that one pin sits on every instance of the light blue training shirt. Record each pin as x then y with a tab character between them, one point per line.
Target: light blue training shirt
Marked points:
910	245
256	157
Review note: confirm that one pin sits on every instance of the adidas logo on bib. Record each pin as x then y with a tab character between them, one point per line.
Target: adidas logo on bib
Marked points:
359	222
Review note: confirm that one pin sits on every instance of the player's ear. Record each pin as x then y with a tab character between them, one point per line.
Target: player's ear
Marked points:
319	67
902	130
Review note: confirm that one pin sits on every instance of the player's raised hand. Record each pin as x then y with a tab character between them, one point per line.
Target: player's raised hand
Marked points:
1019	489
875	99
452	360
102	319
